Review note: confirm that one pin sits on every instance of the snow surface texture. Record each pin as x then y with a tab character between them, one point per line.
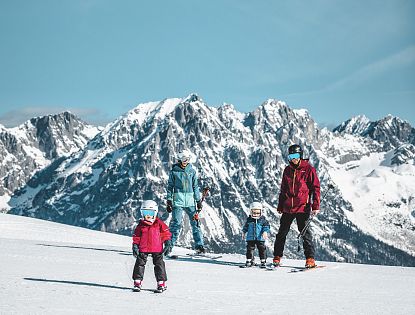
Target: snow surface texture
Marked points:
50	268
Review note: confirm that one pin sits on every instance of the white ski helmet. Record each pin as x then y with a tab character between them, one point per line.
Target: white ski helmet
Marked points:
184	155
256	206
149	207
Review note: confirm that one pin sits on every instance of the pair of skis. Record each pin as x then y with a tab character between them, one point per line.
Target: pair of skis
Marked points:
135	289
294	269
253	266
271	267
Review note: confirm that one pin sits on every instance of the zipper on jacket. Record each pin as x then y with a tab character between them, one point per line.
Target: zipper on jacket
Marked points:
292	198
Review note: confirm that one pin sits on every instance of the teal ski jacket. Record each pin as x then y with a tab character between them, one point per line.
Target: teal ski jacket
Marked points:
182	186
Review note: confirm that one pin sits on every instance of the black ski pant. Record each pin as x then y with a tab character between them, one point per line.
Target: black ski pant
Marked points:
285	223
250	247
158	262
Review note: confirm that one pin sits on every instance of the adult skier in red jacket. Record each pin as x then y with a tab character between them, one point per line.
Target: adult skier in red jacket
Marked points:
299	196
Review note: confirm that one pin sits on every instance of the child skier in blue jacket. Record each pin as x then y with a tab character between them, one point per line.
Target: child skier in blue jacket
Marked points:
255	232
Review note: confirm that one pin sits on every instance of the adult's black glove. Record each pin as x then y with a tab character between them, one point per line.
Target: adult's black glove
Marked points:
136	251
169	206
168	246
199	205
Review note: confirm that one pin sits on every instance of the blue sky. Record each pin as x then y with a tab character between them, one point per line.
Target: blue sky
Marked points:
99	59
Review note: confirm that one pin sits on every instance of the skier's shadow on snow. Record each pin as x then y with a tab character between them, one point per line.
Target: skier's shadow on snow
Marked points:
121	252
88	284
206	261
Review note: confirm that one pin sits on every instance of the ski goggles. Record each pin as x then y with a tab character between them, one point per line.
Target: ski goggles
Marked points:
145	212
186	160
293	156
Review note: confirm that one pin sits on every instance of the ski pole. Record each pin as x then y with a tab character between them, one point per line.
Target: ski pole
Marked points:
307	224
196	216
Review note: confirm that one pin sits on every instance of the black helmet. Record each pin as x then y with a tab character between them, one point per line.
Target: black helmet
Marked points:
295	148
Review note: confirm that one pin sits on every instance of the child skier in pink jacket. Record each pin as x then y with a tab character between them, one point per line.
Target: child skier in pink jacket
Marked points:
149	236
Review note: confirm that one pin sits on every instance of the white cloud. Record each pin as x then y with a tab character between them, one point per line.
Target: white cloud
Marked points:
401	59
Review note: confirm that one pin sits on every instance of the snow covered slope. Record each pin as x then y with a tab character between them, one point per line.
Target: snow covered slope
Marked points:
50	268
383	198
379	180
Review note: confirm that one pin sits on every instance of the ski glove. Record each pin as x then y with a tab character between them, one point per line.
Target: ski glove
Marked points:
199	205
169	206
168	246
315	212
136	251
196	216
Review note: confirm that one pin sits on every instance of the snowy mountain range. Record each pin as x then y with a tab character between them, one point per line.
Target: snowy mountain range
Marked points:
368	217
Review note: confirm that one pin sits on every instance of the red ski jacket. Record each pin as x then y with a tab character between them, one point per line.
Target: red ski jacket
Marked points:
300	189
150	237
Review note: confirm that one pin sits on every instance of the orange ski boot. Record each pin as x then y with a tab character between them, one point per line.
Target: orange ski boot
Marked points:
310	263
276	262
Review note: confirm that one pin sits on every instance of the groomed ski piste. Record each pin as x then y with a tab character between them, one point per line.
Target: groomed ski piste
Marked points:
51	268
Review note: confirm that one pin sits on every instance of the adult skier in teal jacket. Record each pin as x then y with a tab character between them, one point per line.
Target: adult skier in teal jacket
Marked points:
183	195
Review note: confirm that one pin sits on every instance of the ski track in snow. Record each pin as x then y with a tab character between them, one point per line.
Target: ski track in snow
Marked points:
51	268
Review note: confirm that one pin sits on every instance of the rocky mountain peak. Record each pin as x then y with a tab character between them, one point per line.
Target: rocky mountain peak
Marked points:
355	125
390	131
35	144
404	154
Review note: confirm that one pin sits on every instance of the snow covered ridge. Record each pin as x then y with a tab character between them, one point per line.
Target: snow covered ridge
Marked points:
33	145
367	218
60	269
390	131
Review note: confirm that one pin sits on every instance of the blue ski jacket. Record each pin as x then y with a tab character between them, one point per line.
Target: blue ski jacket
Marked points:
182	186
254	228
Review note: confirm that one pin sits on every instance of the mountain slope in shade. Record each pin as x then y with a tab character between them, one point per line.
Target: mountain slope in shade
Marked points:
241	157
33	145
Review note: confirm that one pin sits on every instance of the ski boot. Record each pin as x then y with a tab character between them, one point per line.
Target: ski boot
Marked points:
263	264
249	263
276	262
161	287
310	263
137	285
200	250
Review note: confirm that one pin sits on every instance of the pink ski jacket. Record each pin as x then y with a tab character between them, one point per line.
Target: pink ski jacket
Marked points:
150	237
